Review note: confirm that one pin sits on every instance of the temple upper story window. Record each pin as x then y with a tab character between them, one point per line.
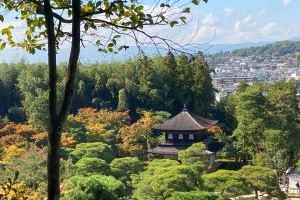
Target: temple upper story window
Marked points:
170	136
180	136
191	136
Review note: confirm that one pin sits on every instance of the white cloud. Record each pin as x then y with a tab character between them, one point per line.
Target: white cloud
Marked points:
245	24
208	29
244	29
247	19
205	31
260	13
268	28
286	2
228	11
242	36
209	20
237	26
291	31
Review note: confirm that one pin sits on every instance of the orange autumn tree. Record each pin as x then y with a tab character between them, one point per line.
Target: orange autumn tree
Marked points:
67	140
99	126
136	139
108	119
14	139
16	134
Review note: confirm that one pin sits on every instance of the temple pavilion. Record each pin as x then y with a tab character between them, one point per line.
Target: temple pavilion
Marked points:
182	131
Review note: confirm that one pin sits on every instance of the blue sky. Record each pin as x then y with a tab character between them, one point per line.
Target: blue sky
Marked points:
236	21
217	22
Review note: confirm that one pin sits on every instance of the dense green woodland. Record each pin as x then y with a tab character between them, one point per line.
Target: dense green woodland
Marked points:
275	49
265	123
159	83
108	132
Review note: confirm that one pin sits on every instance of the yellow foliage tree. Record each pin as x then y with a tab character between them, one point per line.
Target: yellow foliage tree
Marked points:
97	123
10	152
20	191
67	140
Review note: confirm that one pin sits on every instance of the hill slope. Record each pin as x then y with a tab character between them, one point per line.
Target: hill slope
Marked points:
276	49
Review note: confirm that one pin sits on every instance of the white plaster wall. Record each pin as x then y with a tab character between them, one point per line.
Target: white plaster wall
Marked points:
293	179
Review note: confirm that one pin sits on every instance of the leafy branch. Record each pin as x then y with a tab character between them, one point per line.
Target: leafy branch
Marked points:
8	187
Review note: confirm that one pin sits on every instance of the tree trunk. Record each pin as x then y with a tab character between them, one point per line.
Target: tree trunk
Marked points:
56	120
53	127
256	194
53	162
73	61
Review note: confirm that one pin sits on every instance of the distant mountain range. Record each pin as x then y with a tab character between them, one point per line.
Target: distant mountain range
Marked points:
90	54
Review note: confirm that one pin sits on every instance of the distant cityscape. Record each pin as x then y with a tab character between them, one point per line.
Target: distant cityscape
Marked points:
230	70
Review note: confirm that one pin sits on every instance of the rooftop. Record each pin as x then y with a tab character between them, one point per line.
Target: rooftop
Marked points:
186	121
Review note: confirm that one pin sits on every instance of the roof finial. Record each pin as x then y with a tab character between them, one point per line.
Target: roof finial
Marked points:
184	108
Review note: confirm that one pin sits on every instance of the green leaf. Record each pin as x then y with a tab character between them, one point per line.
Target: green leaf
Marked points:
186	10
110	45
110	49
150	21
2	46
182	18
196	2
93	26
134	19
31	50
86	26
98	42
4	31
173	23
139	8
1	18
69	13
117	36
98	4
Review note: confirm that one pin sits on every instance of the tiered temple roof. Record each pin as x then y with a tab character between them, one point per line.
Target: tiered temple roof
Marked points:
182	131
186	121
